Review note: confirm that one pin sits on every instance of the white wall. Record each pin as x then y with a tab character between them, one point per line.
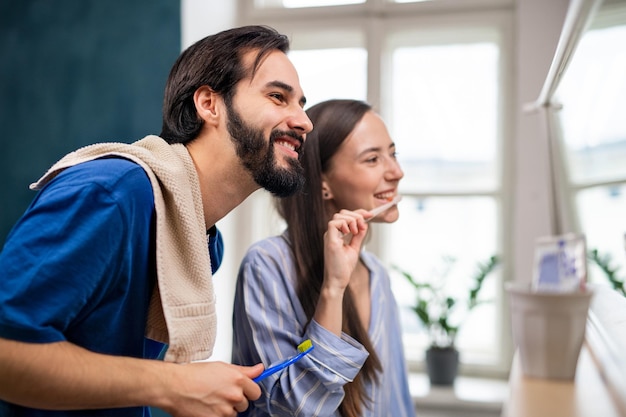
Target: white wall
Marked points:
538	28
204	17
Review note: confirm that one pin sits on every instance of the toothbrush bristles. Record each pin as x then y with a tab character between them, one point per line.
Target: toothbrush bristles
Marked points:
304	346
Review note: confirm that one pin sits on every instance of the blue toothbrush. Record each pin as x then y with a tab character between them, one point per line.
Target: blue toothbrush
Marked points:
304	348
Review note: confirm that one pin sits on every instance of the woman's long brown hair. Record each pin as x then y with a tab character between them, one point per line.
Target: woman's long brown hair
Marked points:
307	221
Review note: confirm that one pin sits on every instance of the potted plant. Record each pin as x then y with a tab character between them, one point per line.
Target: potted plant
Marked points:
436	309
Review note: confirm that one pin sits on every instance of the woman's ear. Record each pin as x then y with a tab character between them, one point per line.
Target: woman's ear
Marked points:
327	194
207	104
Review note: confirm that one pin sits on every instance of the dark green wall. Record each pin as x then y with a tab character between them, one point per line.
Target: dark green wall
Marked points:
75	72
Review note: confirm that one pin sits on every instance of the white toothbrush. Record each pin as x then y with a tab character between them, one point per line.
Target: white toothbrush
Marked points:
375	212
381	209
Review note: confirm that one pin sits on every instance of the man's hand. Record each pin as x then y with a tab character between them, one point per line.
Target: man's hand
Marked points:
214	389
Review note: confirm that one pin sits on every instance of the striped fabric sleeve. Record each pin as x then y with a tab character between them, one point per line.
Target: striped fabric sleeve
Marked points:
269	323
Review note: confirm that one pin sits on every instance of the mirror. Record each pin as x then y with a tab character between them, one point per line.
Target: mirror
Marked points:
584	99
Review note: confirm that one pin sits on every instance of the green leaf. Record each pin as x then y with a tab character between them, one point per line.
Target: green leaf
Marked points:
604	263
423	315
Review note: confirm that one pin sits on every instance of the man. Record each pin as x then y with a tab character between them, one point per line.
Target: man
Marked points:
114	246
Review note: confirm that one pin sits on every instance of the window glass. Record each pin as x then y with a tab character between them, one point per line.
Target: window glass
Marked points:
602	212
593	95
444	115
435	242
331	73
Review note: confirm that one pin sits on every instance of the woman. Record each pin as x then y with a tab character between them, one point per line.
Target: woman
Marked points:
316	282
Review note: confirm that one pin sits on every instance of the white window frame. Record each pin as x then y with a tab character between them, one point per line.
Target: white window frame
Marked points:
471	21
377	17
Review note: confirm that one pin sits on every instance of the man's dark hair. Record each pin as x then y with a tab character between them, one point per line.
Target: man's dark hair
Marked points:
215	61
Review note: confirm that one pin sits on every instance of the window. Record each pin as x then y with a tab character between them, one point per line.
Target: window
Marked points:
443	112
440	82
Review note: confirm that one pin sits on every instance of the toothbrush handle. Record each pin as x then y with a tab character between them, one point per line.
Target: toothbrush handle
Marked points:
272	370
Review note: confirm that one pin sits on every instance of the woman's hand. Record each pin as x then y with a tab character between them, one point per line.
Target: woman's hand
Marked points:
342	246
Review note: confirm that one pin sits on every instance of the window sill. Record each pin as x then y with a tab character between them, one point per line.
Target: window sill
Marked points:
469	396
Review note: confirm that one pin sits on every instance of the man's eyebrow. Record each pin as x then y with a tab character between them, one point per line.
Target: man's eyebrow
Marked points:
286	87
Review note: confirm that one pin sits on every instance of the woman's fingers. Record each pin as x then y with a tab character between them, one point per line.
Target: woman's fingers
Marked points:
347	221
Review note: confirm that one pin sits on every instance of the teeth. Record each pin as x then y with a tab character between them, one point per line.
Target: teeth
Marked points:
287	145
384	196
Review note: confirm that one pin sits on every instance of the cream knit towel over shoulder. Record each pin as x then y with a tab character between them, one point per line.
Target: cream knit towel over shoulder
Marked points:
182	308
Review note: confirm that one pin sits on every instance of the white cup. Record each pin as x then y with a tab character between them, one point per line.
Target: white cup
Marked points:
548	330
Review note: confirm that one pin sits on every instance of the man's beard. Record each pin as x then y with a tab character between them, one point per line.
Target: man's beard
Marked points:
259	158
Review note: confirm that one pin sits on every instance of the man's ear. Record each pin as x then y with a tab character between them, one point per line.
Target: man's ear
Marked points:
207	104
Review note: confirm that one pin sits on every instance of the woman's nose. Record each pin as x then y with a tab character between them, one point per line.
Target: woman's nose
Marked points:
394	170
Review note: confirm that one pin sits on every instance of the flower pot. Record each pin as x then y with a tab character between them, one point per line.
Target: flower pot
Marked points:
442	364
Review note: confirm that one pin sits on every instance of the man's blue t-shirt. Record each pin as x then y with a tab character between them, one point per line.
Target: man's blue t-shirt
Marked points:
79	266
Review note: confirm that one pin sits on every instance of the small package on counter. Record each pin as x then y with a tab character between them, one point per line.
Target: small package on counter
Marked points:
560	263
